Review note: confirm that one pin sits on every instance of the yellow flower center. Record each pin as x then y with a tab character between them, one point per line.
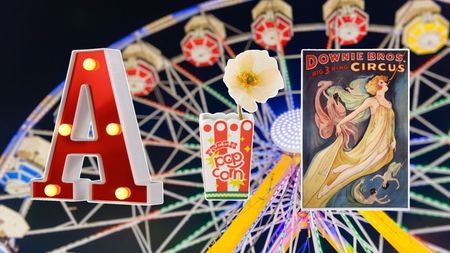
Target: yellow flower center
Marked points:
248	78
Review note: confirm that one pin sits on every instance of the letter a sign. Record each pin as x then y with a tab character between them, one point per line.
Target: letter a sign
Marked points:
96	118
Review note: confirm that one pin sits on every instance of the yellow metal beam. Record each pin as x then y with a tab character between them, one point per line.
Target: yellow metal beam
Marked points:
251	210
395	235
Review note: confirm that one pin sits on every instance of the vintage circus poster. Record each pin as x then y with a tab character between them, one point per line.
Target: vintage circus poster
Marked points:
355	129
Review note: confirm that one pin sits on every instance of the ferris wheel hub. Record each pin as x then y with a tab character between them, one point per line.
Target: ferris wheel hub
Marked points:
285	131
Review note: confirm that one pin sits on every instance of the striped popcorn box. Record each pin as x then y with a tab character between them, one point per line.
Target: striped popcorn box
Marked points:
226	143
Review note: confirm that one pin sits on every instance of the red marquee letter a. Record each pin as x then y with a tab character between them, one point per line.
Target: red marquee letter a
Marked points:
97	99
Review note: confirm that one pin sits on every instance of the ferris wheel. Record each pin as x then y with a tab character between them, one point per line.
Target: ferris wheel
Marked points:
173	82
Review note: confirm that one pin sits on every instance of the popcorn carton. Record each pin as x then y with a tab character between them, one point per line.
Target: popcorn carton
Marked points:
226	143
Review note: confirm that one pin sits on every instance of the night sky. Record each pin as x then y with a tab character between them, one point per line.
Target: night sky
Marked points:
38	37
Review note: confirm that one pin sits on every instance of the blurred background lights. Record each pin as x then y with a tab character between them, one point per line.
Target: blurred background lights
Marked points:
142	63
425	29
426	34
285	131
201	45
272	24
346	21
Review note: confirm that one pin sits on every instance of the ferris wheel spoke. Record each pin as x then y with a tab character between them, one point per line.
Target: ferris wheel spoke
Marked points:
192	133
436	76
148	117
431	229
430	126
13	196
183	101
267	109
69	213
144	247
276	212
203	100
158	95
429	212
172	132
25	207
91	213
183	183
222	61
151	134
168	161
335	222
177	77
206	87
178	226
386	40
439	180
435	96
143	241
77	227
434	86
435	185
184	201
259	123
415	93
434	164
161	107
172	84
364	232
433	60
422	132
164	143
177	98
437	248
41	132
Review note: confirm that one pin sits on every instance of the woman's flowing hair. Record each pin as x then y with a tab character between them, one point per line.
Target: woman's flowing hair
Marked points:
339	100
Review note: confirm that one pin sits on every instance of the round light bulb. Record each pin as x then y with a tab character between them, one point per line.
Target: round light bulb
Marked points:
65	129
89	64
122	193
52	190
113	129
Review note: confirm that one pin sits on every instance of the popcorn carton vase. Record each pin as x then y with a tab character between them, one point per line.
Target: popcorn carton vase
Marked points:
226	143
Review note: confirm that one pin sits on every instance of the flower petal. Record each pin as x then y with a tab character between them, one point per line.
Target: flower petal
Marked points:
250	105
241	97
245	61
270	82
231	71
262	61
271	77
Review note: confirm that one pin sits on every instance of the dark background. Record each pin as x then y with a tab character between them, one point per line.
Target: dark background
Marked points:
37	38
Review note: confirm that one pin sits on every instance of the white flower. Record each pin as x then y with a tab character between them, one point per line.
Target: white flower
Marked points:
251	77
